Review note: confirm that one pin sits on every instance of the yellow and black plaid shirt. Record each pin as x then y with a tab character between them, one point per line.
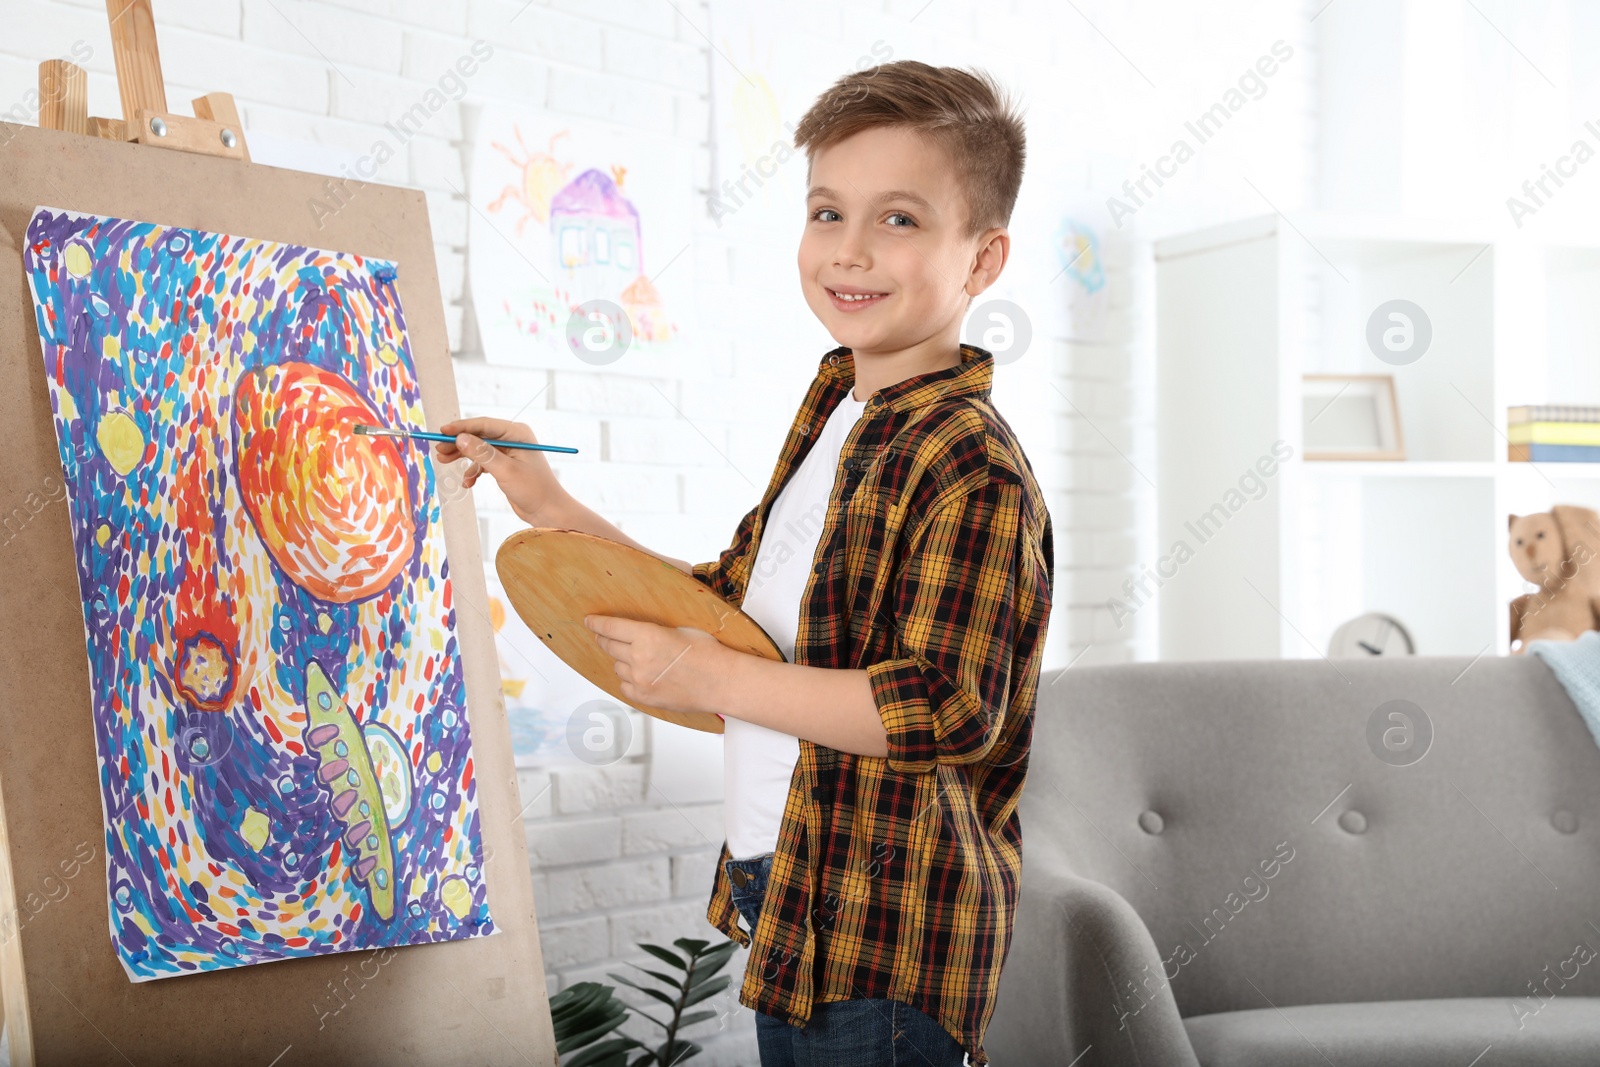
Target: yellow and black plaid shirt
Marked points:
897	876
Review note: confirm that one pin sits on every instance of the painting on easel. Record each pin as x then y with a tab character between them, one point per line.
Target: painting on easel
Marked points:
285	764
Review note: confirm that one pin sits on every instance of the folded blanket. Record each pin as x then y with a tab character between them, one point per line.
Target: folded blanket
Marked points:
1576	665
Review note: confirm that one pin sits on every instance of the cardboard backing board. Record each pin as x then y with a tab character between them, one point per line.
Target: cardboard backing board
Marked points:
67	999
556	577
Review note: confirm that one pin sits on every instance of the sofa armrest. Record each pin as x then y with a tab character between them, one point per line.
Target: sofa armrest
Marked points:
1083	973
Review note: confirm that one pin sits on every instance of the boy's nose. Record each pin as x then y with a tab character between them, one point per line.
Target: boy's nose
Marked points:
851	251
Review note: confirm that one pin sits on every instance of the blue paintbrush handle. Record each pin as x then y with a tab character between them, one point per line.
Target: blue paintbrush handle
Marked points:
429	435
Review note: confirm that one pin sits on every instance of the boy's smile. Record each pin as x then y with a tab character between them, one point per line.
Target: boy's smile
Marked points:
885	261
849	298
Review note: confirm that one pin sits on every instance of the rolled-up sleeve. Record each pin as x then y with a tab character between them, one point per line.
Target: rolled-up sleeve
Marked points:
953	603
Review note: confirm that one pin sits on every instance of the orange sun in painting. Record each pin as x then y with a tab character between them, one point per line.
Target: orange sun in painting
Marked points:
333	507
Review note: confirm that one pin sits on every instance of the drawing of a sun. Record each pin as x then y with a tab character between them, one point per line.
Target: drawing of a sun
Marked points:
541	175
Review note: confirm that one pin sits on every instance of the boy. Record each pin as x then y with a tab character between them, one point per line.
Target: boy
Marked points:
873	846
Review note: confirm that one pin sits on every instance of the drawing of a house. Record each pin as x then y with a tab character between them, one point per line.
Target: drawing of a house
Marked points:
597	236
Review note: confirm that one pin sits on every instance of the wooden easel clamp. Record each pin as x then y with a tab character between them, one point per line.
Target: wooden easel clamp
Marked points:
64	98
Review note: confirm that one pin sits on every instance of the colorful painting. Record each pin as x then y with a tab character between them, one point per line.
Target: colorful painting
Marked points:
284	758
581	232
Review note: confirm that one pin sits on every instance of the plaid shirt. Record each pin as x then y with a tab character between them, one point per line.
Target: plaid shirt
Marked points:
897	876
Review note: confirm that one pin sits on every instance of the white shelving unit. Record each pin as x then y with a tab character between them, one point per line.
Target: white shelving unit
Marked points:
1243	311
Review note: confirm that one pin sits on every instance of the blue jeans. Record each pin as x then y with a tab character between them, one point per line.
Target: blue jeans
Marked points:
874	1032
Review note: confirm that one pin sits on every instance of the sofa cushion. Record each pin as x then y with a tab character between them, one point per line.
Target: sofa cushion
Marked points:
1244	811
1458	1032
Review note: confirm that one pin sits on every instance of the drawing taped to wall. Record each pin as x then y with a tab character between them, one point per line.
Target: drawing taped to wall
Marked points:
1077	248
284	755
581	231
542	694
770	77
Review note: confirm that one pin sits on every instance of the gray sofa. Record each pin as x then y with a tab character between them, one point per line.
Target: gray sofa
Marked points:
1244	864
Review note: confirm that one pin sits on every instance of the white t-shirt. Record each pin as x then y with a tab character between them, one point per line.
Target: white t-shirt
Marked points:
757	763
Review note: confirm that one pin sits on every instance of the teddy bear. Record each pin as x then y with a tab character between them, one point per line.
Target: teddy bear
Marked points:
1556	550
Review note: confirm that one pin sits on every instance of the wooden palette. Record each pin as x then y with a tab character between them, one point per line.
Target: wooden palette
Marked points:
556	577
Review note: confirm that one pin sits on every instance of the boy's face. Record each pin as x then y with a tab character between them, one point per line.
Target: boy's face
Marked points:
885	223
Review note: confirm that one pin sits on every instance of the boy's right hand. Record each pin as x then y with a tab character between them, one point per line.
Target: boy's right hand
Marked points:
524	476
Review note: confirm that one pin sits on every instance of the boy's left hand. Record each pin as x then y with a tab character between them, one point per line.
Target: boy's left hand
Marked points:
666	667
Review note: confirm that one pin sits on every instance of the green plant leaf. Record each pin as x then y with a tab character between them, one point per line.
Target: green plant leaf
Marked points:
666	955
695	1017
594	1033
715	958
595	997
670	983
584	1012
692	946
708	965
603	1054
641	1013
575	999
710	989
649	991
699	978
684	1051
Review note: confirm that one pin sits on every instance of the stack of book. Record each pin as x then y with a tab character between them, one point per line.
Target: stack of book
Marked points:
1554	433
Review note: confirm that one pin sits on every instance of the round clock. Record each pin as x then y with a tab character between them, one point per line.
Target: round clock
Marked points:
1372	634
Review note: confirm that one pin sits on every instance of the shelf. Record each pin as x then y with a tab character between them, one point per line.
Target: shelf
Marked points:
1553	471
1247	309
1403	468
1450	469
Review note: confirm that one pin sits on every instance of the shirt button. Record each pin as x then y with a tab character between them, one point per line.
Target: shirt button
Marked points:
819	792
805	430
821	566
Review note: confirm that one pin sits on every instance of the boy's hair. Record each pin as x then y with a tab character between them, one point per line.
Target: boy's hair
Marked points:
966	112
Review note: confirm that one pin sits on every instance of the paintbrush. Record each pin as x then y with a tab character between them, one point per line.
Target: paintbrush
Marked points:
427	435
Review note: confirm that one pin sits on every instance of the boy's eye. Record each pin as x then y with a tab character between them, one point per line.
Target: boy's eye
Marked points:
909	221
818	214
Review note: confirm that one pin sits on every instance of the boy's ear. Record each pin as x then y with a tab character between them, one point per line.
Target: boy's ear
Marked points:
994	248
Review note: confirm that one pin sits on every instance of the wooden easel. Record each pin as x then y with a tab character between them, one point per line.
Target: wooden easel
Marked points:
64	95
67	1000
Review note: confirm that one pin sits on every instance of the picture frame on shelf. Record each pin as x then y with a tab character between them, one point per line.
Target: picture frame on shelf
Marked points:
1350	417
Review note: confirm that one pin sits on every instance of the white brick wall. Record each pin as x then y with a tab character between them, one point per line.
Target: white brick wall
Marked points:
616	864
676	456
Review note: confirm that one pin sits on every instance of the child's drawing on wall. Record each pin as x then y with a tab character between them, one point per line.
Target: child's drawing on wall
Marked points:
590	227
